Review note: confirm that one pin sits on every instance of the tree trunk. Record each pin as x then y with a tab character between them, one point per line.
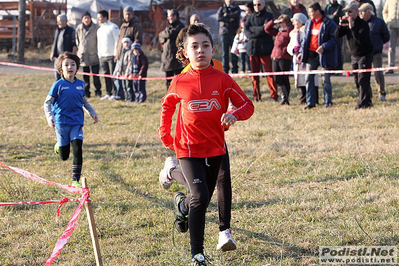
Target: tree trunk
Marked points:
21	31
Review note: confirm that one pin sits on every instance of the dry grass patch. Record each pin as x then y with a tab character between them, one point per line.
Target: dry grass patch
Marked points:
300	180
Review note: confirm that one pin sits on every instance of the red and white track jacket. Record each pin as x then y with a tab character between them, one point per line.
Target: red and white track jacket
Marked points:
204	97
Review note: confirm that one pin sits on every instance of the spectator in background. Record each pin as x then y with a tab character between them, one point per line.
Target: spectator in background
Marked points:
379	35
170	65
86	41
64	41
132	29
361	2
295	7
281	58
334	11
249	9
194	19
390	13
357	32
107	36
139	69
319	47
293	48
260	46
122	68
228	16
240	46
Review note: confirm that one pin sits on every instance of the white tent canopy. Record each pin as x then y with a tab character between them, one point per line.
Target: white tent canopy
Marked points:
76	8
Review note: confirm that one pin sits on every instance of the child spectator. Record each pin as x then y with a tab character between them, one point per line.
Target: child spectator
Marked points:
296	36
122	67
281	58
139	67
203	94
239	46
64	112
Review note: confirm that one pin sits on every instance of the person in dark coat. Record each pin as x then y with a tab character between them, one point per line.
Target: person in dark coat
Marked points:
64	41
228	16
357	32
259	48
334	11
379	35
170	65
132	29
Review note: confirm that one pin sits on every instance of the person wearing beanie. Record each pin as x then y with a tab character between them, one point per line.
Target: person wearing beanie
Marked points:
86	41
122	69
296	37
138	71
131	28
169	63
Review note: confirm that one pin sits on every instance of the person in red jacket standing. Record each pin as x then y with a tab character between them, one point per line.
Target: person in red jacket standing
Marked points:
203	94
281	58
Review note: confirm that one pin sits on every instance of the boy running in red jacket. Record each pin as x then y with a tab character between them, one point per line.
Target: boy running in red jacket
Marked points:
203	94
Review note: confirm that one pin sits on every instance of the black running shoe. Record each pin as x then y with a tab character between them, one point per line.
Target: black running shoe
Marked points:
181	221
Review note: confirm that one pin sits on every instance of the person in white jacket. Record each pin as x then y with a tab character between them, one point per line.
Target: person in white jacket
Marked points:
107	37
239	46
390	13
297	35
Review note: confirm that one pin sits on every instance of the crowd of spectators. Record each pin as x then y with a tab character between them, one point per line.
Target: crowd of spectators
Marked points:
260	39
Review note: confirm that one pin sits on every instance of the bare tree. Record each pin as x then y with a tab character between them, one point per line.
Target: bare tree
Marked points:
21	31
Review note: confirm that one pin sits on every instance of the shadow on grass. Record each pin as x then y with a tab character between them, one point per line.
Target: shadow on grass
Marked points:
290	250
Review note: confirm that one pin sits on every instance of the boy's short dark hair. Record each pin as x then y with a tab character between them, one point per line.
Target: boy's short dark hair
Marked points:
103	13
316	6
175	13
67	55
195	29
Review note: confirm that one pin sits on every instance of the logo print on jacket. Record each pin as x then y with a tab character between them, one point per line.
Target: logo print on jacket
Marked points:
203	105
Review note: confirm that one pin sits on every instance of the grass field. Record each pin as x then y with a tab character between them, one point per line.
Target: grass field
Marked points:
301	179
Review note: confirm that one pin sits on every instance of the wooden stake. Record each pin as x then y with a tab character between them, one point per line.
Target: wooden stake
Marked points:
92	226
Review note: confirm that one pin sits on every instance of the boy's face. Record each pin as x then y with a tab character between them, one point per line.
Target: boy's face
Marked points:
136	52
199	51
69	69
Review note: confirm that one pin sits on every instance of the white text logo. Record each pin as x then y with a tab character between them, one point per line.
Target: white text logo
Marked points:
203	105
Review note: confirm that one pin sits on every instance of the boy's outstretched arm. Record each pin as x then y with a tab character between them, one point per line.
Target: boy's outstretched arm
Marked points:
89	109
47	110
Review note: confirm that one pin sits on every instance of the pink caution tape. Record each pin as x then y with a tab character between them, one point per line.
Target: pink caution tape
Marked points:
82	73
69	229
232	75
41	180
72	222
38	202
